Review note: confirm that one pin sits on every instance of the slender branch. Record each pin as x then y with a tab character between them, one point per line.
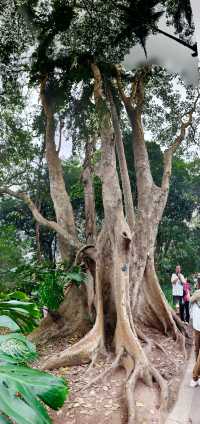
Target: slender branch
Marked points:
178	40
15	176
35	212
168	154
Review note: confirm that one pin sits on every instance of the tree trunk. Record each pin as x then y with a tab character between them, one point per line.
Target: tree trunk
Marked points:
126	186
37	238
72	314
112	294
90	212
60	198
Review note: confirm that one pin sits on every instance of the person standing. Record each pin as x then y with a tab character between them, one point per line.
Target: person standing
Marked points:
195	316
186	300
177	281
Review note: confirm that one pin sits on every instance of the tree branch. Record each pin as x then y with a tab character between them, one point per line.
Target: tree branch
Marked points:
98	90
178	40
168	154
126	186
124	98
35	212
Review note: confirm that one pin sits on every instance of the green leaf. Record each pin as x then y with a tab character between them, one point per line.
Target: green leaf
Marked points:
25	314
17	409
17	347
4	420
8	322
22	387
18	295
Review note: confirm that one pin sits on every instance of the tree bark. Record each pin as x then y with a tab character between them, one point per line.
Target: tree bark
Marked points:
89	199
59	195
38	246
126	186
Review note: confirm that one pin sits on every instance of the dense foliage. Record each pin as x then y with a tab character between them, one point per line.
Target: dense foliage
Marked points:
23	388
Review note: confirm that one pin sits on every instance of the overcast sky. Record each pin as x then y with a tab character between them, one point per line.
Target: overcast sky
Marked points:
165	52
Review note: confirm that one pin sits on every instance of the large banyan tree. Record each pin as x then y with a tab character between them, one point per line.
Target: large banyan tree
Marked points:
71	49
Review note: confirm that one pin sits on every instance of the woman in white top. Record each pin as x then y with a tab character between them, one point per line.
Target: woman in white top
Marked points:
195	315
177	281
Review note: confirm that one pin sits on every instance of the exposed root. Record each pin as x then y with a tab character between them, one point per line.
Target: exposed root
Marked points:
139	373
145	374
95	355
181	343
154	309
141	335
150	343
79	353
158	346
163	389
130	388
144	339
113	366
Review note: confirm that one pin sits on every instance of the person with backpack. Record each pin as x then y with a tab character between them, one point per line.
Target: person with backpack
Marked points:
177	281
195	316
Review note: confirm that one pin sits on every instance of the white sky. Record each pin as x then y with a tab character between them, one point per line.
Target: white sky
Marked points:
165	52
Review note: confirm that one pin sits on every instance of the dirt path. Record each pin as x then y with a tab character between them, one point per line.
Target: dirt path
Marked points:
187	407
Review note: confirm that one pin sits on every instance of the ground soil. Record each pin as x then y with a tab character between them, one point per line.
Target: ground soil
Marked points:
105	401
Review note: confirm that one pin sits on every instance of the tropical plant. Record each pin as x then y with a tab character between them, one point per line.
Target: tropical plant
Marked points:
52	283
16	349
24	390
18	315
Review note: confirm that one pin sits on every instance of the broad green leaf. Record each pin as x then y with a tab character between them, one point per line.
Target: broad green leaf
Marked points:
25	314
17	347
21	390
4	420
16	408
51	389
7	322
36	404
